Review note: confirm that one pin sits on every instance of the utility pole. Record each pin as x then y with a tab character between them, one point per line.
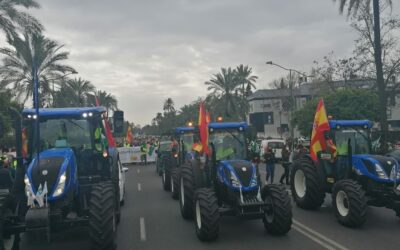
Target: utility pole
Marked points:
292	99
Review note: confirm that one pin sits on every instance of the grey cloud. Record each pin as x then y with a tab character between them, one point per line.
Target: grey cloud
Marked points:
144	51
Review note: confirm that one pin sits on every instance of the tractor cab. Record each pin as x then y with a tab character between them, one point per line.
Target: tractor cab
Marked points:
185	137
71	142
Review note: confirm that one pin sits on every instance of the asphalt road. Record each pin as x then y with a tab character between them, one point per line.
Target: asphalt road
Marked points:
151	220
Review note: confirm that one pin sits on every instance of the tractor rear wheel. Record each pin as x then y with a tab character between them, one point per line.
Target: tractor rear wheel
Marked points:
306	186
102	216
186	191
278	209
175	183
350	203
206	214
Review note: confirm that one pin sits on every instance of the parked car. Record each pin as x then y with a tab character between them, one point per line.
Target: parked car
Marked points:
275	144
122	170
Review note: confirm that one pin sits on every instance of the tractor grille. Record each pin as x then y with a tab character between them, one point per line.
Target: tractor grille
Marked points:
384	162
244	171
52	165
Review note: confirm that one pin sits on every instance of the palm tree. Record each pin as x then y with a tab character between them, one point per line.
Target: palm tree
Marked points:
245	77
31	52
169	105
12	16
224	86
80	89
158	118
105	99
353	6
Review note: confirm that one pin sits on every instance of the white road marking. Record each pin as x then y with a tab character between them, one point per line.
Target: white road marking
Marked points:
139	187
142	230
317	237
138	171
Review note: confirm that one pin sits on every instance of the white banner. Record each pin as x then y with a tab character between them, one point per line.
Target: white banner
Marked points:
132	155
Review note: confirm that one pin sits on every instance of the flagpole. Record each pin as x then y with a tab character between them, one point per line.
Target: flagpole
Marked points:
36	106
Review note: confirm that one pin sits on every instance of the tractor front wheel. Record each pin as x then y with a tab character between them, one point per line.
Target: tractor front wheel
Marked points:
206	214
166	179
186	190
102	217
306	185
277	211
350	203
175	183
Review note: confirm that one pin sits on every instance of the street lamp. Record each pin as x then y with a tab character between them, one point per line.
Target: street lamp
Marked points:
292	100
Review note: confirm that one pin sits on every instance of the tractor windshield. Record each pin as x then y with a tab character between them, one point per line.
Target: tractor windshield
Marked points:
359	140
228	145
187	141
63	133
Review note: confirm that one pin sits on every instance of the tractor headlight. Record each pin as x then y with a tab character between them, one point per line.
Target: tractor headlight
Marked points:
234	181
61	185
379	170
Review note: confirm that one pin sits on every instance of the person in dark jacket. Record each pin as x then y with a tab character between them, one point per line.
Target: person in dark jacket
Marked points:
269	157
6	180
285	165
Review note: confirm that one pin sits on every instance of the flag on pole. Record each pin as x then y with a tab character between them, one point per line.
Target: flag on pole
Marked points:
129	135
24	144
203	127
320	127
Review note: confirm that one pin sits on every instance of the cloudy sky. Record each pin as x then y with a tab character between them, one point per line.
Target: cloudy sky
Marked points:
144	51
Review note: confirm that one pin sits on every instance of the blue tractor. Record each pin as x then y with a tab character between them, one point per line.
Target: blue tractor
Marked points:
72	174
355	177
227	183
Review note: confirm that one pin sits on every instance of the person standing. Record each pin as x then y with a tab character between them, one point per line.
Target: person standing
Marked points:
143	153
285	164
270	164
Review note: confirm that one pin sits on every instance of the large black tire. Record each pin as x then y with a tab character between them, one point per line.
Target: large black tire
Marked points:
350	203
206	214
306	186
166	179
175	183
277	217
102	216
3	206
186	191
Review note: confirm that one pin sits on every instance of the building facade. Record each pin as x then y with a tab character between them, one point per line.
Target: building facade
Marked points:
269	109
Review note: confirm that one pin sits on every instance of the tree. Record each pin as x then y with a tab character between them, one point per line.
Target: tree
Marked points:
81	89
346	104
245	78
225	86
105	99
6	138
353	6
169	105
30	52
12	18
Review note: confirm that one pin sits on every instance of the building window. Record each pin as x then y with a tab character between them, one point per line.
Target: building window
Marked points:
258	120
266	105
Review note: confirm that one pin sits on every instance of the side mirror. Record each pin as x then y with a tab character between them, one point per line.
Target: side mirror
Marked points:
125	169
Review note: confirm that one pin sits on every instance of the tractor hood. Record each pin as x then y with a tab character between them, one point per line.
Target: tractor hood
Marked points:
53	163
381	168
238	174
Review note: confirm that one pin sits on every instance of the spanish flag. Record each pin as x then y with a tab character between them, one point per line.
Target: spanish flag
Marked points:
129	136
320	126
204	119
24	143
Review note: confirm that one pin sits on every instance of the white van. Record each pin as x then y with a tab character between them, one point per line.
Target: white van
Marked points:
275	144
